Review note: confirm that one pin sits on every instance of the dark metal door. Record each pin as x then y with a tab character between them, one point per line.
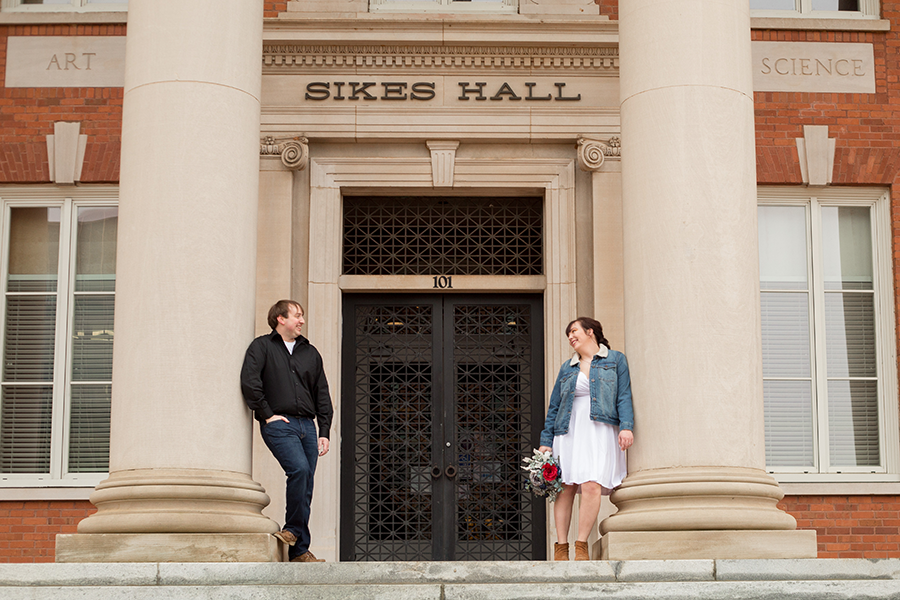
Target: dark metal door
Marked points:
442	397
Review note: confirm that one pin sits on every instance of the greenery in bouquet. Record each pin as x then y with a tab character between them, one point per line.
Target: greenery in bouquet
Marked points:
544	477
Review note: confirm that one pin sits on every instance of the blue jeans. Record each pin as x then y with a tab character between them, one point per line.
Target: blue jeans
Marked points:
295	446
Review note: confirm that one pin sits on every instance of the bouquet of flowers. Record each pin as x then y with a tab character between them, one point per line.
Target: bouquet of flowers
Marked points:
544	476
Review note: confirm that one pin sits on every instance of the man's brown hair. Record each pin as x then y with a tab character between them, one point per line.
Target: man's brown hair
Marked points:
281	309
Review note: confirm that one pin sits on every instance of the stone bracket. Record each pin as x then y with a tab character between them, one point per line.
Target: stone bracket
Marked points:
443	162
816	152
294	151
592	152
65	152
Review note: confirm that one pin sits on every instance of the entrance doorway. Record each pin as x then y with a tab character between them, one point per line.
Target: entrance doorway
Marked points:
442	397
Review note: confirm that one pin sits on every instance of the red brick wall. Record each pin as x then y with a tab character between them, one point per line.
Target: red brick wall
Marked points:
865	126
28	529
27	115
849	526
271	9
610	8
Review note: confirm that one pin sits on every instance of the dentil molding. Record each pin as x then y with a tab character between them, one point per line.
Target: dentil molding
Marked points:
293	56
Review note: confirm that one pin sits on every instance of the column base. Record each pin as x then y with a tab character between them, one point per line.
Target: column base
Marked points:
168	547
178	501
698	544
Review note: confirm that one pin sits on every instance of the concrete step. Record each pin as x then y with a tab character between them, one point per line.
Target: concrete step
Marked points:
808	579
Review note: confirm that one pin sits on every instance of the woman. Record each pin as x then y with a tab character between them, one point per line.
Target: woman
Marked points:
589	426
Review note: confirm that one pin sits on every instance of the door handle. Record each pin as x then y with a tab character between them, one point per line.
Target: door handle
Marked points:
435	472
450	472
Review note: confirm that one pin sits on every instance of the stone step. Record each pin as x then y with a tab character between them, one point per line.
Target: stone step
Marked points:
806	579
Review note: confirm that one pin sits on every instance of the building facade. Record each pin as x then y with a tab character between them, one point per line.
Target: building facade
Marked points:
444	185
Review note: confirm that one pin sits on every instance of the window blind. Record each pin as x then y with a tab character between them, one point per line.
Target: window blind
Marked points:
92	338
89	428
25	428
29	334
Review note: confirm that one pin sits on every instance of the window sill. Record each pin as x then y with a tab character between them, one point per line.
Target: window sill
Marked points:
880	488
824	24
25	494
29	17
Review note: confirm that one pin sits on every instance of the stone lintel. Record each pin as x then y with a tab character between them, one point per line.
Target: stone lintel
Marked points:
167	547
734	544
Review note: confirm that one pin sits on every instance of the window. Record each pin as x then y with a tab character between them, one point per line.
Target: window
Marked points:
483	6
843	9
57	335
829	359
65	5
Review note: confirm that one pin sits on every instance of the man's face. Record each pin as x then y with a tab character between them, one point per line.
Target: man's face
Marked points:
292	323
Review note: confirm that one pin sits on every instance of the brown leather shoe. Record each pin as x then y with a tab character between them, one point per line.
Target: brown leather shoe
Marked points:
581	551
286	536
307	557
561	551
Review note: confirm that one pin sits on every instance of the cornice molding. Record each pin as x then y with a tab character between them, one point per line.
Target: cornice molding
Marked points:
430	28
283	56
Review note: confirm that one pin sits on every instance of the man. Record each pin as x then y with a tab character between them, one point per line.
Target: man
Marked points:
284	385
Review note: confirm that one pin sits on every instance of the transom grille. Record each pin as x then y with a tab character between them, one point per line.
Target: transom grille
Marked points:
448	236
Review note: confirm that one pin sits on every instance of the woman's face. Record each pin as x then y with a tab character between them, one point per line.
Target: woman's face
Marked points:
581	341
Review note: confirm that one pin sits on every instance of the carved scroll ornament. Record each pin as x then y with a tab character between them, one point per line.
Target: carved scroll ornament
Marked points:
592	152
294	152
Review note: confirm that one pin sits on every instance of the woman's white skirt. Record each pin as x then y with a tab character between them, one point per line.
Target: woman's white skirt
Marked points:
590	451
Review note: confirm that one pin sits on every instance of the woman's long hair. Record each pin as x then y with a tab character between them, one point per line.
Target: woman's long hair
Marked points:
593	325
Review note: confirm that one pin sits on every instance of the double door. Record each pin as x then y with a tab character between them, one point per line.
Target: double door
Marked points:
442	397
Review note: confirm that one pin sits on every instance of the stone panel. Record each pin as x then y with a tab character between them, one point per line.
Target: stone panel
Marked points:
813	67
65	61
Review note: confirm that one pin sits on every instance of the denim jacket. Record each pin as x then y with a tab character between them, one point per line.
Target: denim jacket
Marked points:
610	394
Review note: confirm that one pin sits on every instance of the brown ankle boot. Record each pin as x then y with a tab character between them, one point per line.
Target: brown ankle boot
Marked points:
581	551
561	551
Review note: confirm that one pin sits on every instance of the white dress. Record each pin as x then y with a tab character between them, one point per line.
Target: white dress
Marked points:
590	451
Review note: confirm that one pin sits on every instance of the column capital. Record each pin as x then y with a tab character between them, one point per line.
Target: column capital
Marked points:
592	152
294	151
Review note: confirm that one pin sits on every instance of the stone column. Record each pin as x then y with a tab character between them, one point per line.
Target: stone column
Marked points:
697	487
180	448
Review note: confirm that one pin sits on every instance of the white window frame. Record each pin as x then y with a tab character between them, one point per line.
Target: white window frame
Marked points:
868	9
444	6
878	199
72	6
68	200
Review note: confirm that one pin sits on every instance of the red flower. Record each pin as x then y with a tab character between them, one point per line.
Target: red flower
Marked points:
550	472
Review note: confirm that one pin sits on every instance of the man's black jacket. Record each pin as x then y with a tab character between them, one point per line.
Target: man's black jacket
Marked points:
276	382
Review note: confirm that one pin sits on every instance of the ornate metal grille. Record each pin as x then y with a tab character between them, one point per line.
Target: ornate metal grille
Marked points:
392	423
440	398
492	365
450	236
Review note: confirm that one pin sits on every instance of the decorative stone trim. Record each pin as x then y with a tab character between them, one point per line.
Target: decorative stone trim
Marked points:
598	58
294	152
443	161
65	152
592	152
816	152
